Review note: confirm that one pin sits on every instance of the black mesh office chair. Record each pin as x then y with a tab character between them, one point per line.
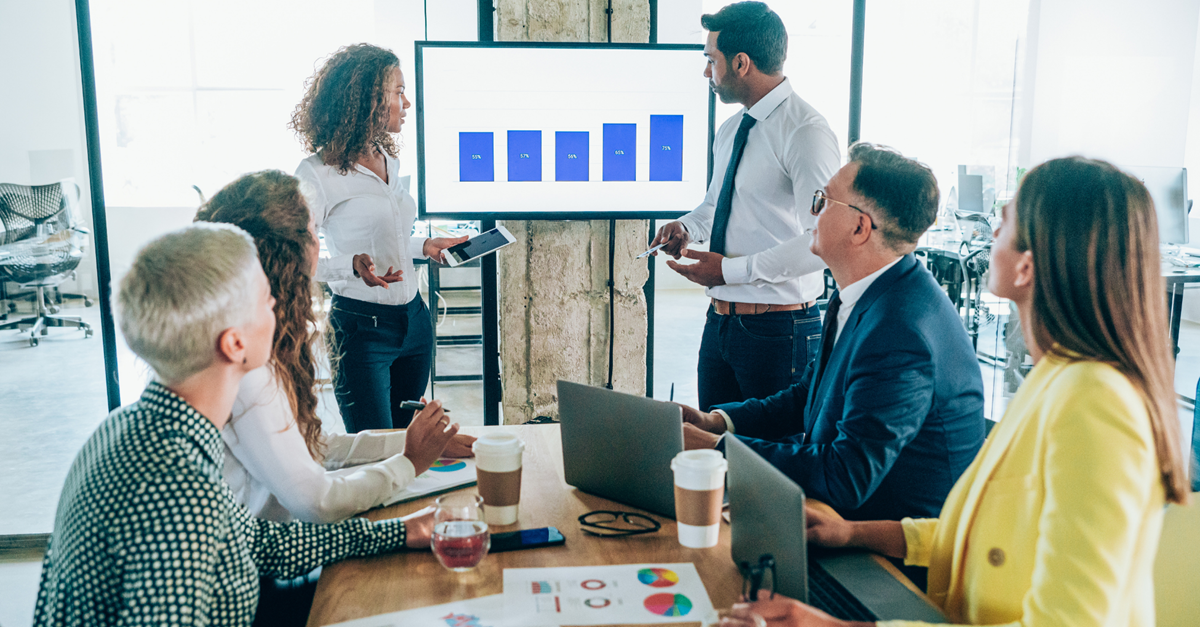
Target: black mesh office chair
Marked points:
40	245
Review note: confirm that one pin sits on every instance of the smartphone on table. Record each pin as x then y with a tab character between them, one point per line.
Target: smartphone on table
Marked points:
526	539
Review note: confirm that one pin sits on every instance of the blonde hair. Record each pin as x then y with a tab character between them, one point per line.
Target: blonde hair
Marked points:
183	290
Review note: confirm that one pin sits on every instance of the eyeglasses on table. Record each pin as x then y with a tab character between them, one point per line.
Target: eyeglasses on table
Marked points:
613	524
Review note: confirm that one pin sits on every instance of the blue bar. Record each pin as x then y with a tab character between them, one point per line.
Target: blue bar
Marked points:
524	155
571	156
666	148
475	157
620	152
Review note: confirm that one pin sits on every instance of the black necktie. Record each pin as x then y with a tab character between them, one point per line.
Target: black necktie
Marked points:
828	337
716	243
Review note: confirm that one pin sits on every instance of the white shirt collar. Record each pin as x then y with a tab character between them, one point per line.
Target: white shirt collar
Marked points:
850	294
770	102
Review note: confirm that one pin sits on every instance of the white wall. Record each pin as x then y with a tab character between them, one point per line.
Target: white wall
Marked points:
41	130
1111	79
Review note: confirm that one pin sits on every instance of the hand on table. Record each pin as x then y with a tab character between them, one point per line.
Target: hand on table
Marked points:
460	446
709	421
428	435
675	237
706	271
418	528
364	268
779	611
694	437
434	246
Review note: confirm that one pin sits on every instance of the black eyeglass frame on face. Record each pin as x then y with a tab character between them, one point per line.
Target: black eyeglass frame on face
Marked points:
617	532
818	205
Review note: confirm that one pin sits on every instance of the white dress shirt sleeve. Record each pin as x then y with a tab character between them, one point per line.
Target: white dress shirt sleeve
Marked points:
343	450
341	267
812	158
416	247
263	436
699	222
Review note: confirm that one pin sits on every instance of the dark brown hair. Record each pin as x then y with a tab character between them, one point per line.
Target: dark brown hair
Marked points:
903	192
752	28
344	112
268	205
1098	289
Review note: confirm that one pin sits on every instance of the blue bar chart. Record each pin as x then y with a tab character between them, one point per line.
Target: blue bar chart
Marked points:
524	155
619	147
666	148
620	152
476	157
571	156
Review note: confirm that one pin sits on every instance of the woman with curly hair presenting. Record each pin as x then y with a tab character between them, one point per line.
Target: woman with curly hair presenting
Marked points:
382	335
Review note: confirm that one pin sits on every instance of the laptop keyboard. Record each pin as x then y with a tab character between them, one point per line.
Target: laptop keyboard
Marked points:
827	595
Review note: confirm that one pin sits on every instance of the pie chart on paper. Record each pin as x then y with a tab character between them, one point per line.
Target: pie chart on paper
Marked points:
667	604
658	577
447	465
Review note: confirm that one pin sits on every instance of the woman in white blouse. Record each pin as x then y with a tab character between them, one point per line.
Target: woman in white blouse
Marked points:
383	337
278	461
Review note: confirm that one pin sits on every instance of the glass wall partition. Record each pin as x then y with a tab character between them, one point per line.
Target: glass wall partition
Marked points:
52	370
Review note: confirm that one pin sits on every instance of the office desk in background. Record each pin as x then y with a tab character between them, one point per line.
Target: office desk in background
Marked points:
364	587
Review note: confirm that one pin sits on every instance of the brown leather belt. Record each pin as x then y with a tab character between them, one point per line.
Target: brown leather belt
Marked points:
724	307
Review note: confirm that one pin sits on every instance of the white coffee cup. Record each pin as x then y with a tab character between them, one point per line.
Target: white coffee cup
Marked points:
699	491
498	475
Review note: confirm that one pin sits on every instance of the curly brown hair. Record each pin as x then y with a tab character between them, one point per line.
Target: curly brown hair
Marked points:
344	112
269	206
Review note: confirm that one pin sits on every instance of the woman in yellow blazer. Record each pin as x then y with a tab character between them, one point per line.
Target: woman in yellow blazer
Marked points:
1056	522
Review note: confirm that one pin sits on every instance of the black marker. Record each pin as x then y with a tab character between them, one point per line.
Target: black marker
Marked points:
418	406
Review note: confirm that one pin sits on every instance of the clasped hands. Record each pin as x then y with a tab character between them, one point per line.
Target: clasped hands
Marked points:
707	269
364	266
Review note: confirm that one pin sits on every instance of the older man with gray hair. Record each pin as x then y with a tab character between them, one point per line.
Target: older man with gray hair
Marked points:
147	531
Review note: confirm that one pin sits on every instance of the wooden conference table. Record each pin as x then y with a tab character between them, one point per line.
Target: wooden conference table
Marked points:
363	587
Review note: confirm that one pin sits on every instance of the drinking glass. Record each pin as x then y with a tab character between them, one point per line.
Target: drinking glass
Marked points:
460	537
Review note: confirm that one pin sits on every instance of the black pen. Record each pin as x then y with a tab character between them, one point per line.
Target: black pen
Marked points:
418	406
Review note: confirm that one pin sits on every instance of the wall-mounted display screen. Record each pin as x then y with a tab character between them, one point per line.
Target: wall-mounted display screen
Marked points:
561	131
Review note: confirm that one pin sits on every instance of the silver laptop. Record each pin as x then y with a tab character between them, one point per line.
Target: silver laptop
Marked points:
766	513
620	446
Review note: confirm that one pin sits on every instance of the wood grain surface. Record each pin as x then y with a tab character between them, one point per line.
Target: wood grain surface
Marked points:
399	581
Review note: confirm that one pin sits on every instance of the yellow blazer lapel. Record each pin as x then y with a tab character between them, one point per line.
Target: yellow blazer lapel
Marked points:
980	474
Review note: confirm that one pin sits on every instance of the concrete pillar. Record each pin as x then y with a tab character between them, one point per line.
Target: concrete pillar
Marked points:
553	282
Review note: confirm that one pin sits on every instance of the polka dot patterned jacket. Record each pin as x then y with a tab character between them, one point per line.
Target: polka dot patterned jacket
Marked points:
147	532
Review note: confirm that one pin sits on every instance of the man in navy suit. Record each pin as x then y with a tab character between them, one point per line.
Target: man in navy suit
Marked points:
890	413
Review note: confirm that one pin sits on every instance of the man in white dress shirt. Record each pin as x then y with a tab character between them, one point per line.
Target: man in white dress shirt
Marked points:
763	324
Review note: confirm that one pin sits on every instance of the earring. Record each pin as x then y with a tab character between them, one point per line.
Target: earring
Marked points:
243	361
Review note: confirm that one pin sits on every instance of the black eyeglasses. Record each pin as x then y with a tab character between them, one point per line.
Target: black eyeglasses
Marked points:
607	524
820	200
753	575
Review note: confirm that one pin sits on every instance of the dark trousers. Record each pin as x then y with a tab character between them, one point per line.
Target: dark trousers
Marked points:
382	355
744	357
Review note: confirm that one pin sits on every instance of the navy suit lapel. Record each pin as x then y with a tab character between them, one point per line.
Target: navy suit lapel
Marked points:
818	393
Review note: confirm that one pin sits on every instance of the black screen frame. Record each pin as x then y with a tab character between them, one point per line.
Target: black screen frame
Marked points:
686	204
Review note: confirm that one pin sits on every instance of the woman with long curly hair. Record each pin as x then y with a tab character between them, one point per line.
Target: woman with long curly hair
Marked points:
278	461
1057	520
382	334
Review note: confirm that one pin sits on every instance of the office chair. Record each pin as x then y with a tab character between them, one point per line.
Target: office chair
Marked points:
40	245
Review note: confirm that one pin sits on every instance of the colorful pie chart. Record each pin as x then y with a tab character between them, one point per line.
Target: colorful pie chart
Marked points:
667	604
447	465
658	577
